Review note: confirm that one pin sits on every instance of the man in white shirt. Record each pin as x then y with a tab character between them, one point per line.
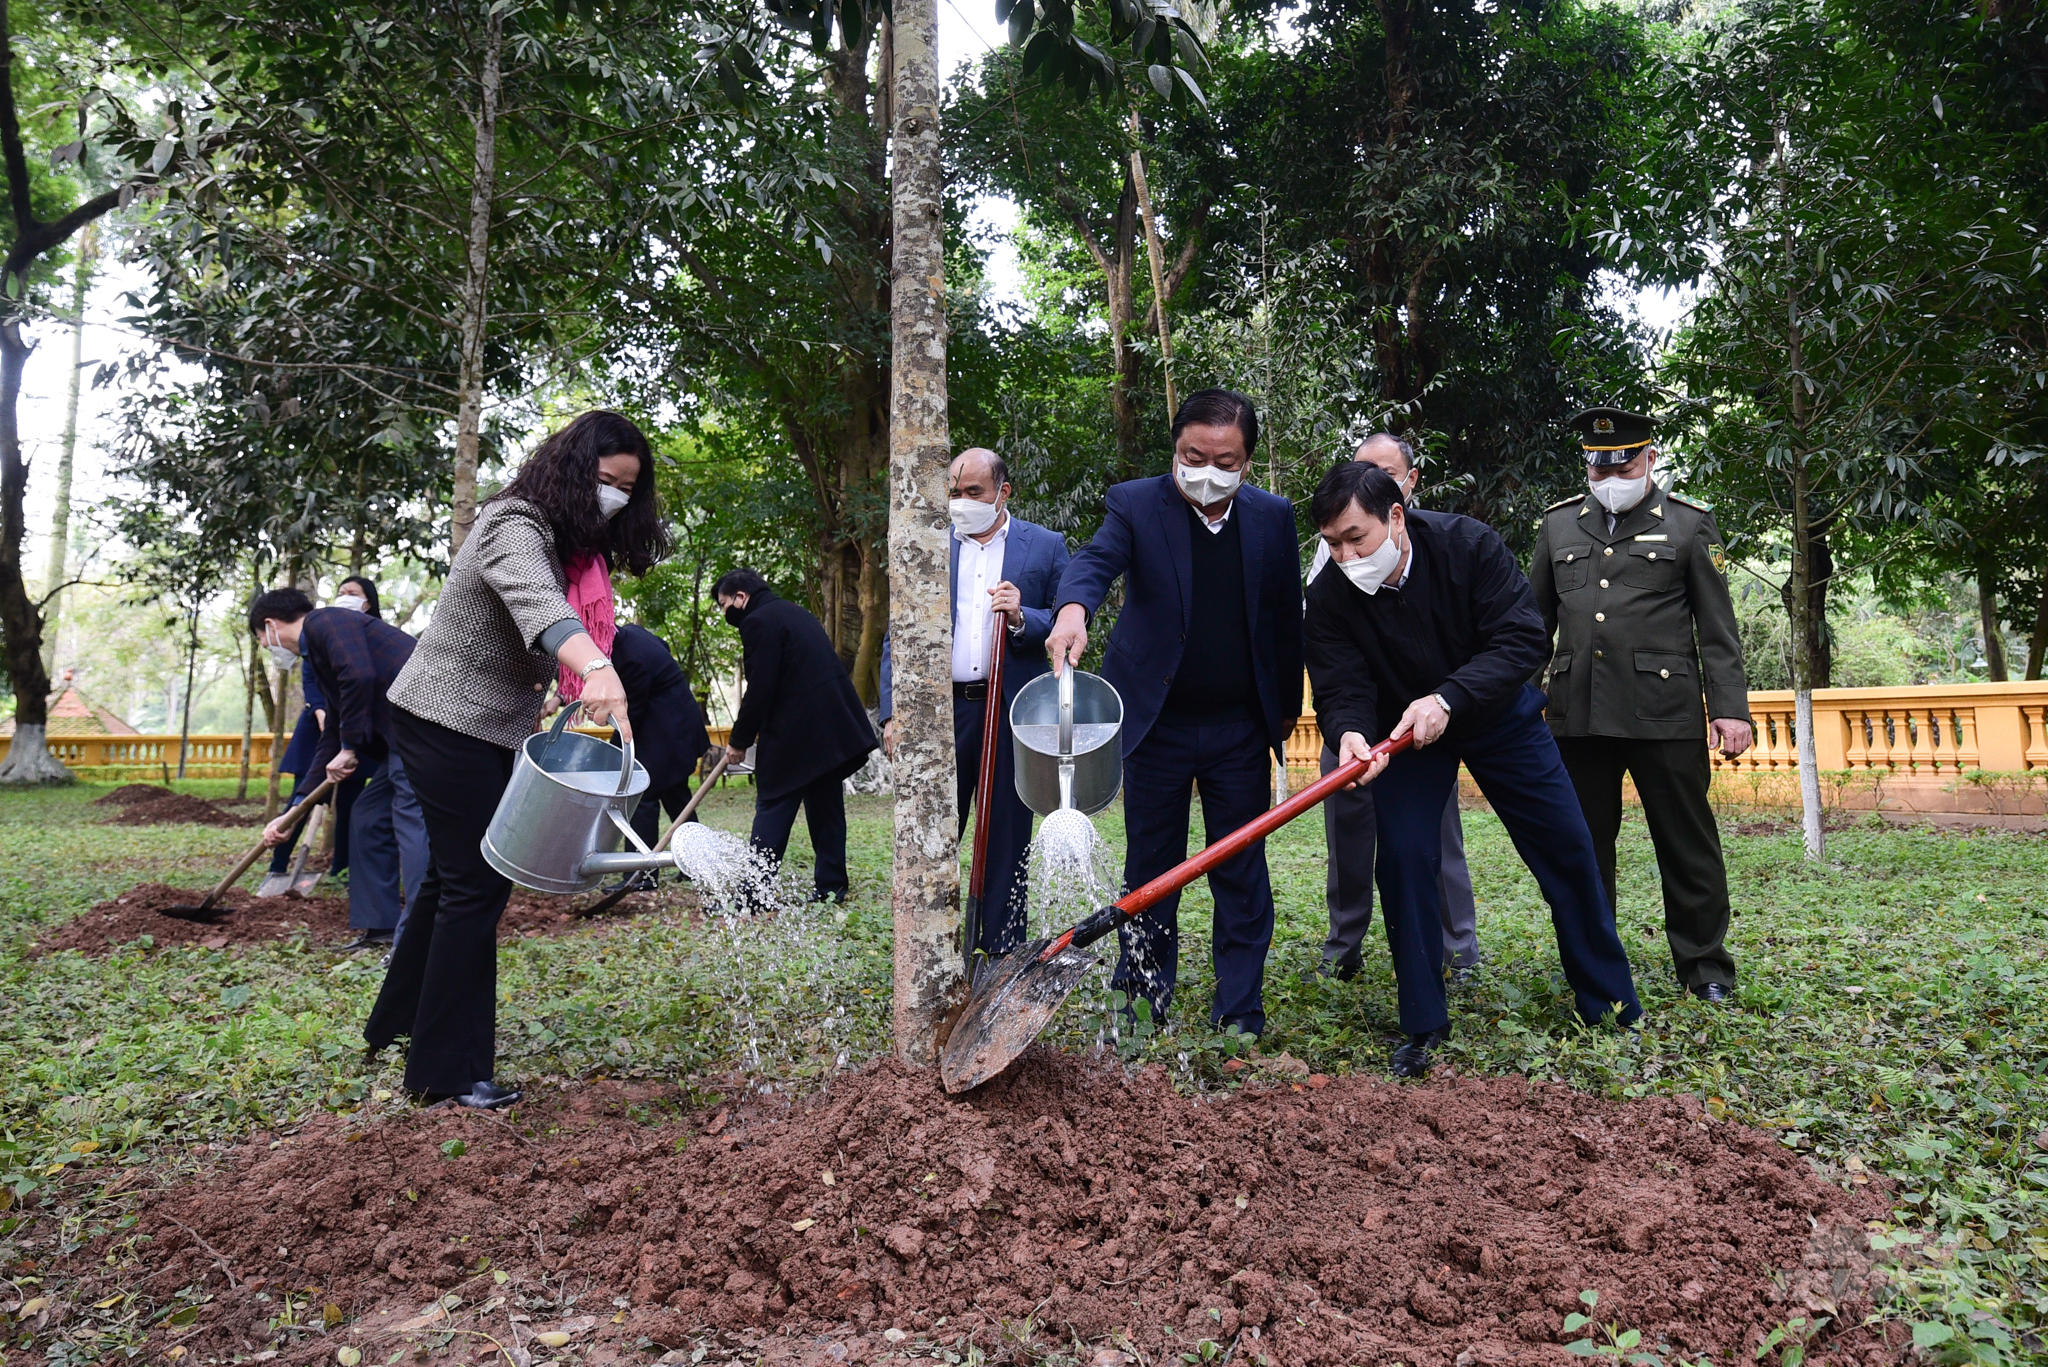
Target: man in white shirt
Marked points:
1000	564
1350	826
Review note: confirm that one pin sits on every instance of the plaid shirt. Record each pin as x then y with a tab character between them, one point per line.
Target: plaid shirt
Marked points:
356	656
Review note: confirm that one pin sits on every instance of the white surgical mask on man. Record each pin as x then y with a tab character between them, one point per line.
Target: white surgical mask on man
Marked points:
354	602
1205	484
1618	495
972	517
1374	568
281	655
612	501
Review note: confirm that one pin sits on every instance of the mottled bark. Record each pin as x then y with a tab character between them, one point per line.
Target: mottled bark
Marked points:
469	397
57	566
926	894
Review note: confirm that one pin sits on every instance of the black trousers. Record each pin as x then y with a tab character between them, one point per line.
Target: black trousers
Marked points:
1005	892
824	804
442	986
646	823
1230	764
1671	778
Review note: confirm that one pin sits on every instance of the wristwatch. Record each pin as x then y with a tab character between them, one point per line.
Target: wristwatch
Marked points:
599	663
1441	703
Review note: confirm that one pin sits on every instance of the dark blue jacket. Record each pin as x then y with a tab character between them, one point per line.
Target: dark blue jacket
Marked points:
1144	538
1033	559
799	704
356	657
668	726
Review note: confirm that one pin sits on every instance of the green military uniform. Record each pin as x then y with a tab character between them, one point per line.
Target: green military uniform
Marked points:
1644	630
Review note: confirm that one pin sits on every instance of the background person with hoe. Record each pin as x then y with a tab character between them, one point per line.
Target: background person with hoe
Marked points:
297	761
1350	828
1633	586
1000	563
1430	628
800	706
356	657
1206	654
467	699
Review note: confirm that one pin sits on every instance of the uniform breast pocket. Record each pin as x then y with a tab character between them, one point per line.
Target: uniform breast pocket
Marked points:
1666	687
1560	683
1570	565
1651	565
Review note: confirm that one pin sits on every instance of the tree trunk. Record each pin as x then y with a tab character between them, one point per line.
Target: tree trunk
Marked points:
191	669
28	755
1994	633
926	890
1155	257
280	692
469	401
1800	585
248	718
2038	647
1820	574
60	510
874	618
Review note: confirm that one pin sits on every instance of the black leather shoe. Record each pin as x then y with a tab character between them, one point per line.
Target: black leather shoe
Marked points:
489	1096
1412	1059
1343	969
369	939
1714	994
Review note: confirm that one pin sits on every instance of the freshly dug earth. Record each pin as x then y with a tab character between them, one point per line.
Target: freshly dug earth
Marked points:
177	809
263	920
1320	1222
131	792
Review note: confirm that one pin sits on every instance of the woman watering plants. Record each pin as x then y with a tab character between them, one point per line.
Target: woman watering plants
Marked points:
582	503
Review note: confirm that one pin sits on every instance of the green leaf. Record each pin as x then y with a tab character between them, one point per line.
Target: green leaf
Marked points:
1585	1348
1162	80
1589	1298
1927	1333
454	1148
1575	1321
236	997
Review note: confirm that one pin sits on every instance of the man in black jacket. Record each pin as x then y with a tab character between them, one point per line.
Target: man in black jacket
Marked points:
1431	628
669	737
801	707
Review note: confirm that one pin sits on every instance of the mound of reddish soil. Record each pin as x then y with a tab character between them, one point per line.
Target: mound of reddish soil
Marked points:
263	920
1357	1222
177	809
131	792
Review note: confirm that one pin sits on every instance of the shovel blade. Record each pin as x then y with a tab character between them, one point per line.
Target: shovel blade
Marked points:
1014	1000
203	914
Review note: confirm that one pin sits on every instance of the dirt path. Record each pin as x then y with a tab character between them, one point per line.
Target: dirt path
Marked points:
1447	1225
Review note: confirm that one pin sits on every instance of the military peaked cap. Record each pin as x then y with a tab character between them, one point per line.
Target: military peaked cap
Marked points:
1611	436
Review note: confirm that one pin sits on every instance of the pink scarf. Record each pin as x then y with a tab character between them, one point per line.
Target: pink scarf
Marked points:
590	594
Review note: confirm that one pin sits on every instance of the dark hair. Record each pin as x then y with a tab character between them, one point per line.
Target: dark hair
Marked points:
997	466
369	588
1401	443
742	580
1354	481
1219	408
560	478
282	605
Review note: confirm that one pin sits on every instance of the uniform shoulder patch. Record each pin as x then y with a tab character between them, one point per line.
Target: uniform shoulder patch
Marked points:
1565	503
1690	502
1719	557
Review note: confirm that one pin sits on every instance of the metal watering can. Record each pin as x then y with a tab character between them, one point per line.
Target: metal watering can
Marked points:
1064	731
569	803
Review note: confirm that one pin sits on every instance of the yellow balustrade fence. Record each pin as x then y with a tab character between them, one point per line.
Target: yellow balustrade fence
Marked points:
1973	748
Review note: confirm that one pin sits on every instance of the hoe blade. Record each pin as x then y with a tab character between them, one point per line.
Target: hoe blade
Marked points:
1017	995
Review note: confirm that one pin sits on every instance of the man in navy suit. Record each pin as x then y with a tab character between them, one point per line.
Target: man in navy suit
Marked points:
1000	563
1206	654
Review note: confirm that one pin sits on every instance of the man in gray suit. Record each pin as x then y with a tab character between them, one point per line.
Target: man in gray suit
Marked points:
1350	827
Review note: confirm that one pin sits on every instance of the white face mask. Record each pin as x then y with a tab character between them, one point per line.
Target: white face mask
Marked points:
1205	484
281	655
353	602
611	502
972	517
1369	571
1618	495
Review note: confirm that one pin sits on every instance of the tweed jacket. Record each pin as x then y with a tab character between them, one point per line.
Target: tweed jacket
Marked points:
479	667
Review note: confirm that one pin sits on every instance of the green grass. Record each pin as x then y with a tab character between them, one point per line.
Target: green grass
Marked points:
1892	1018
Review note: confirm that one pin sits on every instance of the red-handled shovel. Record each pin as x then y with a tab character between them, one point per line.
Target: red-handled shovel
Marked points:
1019	994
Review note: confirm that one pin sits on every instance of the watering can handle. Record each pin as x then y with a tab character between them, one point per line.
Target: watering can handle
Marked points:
625	747
1066	686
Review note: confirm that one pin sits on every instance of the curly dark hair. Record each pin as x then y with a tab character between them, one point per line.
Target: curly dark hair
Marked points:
560	478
